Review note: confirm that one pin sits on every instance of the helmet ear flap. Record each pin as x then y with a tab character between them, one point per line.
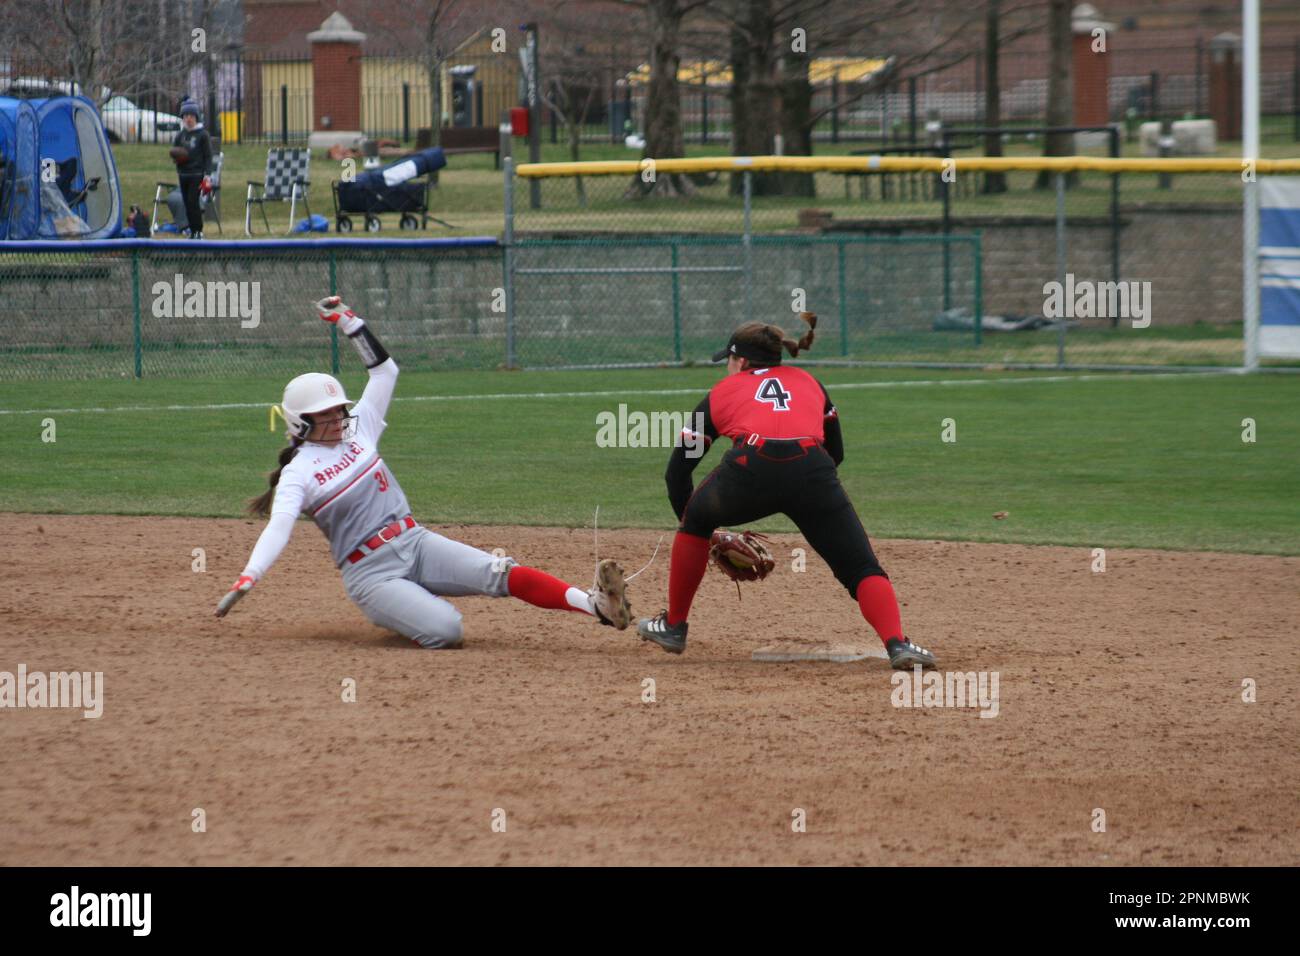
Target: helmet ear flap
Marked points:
302	430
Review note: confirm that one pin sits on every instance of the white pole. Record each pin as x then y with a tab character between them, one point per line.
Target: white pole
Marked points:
1250	191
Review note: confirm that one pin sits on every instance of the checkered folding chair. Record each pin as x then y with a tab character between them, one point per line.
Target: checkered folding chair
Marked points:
287	178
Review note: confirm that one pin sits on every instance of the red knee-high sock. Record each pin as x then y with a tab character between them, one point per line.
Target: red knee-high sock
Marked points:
880	606
541	589
686	569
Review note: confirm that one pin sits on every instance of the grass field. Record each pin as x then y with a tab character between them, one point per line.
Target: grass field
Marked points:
1091	461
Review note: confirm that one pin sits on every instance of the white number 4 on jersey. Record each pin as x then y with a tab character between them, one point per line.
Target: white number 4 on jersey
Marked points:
774	393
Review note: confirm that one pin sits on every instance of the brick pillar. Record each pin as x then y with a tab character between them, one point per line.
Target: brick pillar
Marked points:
1225	85
1091	67
336	83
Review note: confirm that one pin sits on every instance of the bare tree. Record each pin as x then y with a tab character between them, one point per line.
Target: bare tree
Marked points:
993	182
1060	89
99	45
918	38
663	105
997	34
753	88
576	66
444	28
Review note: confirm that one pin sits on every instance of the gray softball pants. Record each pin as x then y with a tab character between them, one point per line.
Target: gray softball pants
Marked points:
402	585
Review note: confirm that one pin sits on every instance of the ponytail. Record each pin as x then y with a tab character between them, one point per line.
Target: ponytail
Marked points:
260	506
769	339
805	343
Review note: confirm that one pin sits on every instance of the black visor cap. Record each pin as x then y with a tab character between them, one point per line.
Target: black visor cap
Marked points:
744	350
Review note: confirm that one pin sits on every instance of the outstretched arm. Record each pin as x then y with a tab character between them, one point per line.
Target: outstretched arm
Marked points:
383	370
284	511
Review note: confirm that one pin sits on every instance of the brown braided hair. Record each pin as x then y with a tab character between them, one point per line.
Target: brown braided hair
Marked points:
771	338
260	506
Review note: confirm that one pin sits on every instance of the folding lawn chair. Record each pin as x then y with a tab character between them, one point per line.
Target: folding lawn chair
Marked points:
287	172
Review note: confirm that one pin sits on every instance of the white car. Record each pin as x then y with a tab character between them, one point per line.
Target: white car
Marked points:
126	122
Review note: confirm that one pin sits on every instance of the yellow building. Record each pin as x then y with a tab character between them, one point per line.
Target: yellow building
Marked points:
496	79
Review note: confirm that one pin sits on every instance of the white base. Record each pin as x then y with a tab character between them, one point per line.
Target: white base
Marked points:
783	652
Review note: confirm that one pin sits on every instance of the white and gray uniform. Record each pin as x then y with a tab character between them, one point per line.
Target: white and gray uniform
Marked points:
351	494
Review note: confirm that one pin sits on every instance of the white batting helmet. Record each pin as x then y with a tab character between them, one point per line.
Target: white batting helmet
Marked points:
307	394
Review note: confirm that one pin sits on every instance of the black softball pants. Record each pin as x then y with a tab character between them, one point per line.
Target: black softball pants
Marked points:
193	210
793	479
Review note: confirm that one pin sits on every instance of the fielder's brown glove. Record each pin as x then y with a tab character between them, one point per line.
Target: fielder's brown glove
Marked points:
179	154
741	556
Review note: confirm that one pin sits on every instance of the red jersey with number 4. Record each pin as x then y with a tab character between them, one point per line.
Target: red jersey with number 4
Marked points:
778	402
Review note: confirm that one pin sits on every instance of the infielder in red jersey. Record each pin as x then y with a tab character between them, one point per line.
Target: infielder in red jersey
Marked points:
398	572
786	447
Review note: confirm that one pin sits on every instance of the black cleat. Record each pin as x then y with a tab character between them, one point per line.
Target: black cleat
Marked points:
671	637
903	654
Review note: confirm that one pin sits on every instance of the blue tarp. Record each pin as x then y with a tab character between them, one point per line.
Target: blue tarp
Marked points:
58	179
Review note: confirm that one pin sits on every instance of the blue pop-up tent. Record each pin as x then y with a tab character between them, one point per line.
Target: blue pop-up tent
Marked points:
58	179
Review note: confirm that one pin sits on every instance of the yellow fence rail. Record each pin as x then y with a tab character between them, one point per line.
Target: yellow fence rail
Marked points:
906	164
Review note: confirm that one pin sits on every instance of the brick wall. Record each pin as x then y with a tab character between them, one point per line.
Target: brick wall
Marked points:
336	82
1091	81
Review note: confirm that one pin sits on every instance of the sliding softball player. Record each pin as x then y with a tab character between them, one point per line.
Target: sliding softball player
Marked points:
399	573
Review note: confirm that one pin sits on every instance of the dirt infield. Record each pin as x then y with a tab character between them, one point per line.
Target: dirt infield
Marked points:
1120	691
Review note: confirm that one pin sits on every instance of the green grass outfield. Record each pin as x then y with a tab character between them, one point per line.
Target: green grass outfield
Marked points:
1087	460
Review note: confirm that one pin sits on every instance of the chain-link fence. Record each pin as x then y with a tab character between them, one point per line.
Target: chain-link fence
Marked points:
675	299
145	308
978	264
1126	269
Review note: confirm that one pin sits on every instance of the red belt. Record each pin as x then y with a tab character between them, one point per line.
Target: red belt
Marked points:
382	537
758	441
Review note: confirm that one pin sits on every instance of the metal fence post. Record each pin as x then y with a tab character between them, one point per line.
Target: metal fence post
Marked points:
946	194
135	311
911	109
334	326
843	298
1060	264
406	112
1114	213
508	257
1295	93
749	247
677	307
1200	73
979	285
704	106
835	109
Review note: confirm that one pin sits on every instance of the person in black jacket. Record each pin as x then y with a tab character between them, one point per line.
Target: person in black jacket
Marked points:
192	153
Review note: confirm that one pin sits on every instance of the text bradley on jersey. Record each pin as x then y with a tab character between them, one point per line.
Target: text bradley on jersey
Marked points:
354	451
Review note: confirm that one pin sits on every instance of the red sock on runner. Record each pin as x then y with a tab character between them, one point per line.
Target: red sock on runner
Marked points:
880	606
689	561
539	588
